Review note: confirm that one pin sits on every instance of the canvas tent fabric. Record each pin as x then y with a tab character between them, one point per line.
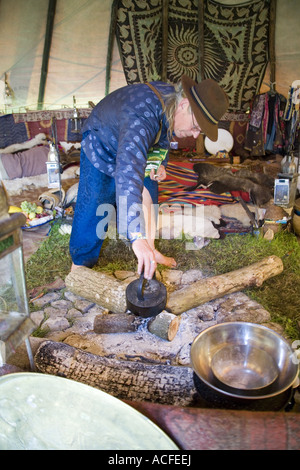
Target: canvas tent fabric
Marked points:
77	62
78	54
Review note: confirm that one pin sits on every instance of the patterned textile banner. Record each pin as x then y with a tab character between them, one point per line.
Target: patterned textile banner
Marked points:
20	127
173	191
11	133
235	45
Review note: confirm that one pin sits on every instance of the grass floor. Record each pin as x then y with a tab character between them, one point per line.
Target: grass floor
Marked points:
279	295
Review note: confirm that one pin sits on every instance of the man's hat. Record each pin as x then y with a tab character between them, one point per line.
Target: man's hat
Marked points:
209	103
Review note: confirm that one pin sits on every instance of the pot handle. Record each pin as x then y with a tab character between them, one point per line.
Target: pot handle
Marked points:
140	295
140	287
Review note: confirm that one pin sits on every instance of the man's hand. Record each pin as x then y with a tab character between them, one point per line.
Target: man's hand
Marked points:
160	175
145	257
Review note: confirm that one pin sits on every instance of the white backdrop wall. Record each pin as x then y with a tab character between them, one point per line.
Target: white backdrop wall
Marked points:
78	54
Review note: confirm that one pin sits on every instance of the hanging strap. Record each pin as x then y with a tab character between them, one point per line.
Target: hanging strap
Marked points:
157	94
163	107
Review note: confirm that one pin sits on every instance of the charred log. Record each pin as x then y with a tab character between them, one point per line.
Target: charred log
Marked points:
123	379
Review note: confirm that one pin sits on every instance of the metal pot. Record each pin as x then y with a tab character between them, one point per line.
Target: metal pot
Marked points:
207	397
146	298
208	345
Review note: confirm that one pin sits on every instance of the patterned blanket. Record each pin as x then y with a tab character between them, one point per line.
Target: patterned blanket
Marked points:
174	189
20	127
235	48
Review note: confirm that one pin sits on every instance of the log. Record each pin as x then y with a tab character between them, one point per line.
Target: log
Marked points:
116	323
110	293
98	287
128	380
215	287
165	325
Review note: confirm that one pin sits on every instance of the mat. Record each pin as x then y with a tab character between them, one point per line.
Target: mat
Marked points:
174	189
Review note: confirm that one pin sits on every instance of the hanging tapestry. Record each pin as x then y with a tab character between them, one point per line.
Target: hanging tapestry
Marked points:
235	49
139	36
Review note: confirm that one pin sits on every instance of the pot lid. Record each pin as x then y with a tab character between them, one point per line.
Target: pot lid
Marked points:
146	293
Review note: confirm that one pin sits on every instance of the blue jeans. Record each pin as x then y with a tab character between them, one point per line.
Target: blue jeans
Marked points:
95	188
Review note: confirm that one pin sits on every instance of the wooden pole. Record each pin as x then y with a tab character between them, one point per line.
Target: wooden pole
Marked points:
201	40
272	51
164	58
46	53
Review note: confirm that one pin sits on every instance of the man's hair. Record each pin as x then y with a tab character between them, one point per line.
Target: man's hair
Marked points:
171	102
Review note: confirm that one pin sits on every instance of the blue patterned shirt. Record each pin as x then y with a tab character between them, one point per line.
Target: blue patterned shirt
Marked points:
119	133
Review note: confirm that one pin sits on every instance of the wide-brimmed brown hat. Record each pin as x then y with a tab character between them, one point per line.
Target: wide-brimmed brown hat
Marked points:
209	103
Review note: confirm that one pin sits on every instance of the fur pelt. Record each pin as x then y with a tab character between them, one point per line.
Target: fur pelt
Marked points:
199	222
18	185
37	140
220	180
236	211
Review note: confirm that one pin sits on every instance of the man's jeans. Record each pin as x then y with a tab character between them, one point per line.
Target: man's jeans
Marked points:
95	189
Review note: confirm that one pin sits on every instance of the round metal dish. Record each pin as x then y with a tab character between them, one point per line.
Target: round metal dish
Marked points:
243	367
45	412
253	336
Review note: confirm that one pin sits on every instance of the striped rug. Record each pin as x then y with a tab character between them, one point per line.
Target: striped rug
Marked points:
173	190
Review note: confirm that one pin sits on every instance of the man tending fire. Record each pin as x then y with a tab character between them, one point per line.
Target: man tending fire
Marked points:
117	138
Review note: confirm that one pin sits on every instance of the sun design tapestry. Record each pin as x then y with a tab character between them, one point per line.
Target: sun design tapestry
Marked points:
235	49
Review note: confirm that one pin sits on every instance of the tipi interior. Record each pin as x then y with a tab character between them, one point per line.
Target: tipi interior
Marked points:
59	58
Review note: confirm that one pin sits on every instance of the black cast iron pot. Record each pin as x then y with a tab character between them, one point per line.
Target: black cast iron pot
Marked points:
146	298
210	398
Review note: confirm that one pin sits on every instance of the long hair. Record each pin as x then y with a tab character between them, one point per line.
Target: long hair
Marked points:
171	102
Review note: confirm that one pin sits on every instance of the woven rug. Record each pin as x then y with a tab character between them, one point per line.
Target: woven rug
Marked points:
235	46
174	189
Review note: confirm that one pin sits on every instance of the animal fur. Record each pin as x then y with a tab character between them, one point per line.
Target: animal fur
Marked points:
199	222
236	211
37	140
18	185
220	180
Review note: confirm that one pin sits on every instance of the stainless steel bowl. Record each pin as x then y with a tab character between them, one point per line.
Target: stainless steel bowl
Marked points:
244	369
223	355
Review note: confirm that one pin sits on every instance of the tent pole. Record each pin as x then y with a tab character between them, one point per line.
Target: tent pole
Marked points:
165	11
272	43
46	53
201	40
111	36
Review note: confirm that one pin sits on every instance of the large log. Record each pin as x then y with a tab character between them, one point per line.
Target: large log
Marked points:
110	293
217	429
128	380
98	287
215	287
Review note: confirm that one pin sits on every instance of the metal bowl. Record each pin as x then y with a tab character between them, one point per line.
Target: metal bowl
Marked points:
245	360
244	369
